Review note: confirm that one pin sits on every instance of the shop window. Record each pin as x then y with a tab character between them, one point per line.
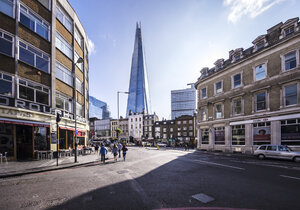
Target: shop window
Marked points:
63	102
260	100
237	106
33	92
290	95
238	135
260	72
6	43
64	74
7	7
34	56
261	133
6	139
290	61
63	46
290	132
220	135
34	22
6	84
62	16
41	138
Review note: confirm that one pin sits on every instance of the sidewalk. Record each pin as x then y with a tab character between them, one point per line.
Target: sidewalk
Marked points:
18	168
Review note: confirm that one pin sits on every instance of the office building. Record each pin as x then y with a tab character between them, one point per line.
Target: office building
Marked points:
98	108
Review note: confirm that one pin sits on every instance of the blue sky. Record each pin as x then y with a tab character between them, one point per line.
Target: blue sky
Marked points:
180	37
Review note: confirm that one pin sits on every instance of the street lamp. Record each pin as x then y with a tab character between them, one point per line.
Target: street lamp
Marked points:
118	106
80	60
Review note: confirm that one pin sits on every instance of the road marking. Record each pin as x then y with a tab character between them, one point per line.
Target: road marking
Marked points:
219	164
203	198
290	177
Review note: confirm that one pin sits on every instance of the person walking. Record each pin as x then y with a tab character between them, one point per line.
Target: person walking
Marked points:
115	152
103	152
96	148
124	149
119	149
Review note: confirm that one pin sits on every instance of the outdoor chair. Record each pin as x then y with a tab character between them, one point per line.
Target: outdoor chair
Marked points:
3	156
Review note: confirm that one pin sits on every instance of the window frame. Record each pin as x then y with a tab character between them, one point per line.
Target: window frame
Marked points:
255	74
77	35
64	69
13	42
233	108
79	65
266	101
284	94
201	116
64	17
283	69
42	21
12	83
215	87
37	49
81	89
65	43
232	80
65	98
215	110
13	2
201	92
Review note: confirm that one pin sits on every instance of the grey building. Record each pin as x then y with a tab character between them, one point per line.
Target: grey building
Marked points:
149	121
183	102
102	129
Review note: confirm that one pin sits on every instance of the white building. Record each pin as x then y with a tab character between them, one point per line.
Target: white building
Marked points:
135	125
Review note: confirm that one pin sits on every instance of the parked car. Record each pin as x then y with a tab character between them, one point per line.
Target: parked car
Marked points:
276	151
161	144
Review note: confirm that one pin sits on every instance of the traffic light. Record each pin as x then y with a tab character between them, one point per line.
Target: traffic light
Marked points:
58	117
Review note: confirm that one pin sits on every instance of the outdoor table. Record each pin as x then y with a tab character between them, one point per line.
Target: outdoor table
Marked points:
47	153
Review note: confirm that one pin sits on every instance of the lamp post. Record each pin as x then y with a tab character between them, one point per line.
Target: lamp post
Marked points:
80	60
118	106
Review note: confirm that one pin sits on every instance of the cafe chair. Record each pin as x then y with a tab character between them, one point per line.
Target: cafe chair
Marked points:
3	156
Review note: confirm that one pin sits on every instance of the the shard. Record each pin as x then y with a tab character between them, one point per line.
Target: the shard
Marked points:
138	97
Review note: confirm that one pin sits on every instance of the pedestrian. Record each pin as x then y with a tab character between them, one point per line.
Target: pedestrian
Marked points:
124	149
186	147
103	152
96	148
115	152
119	149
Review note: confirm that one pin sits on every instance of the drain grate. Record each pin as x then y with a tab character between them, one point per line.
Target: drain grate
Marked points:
203	198
122	172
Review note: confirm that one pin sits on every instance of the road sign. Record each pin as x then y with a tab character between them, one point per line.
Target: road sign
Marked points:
76	132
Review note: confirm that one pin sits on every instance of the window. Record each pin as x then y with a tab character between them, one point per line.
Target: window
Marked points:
179	134
46	3
178	122
184	128
218	87
62	16
63	46
290	95
6	43
179	128
34	22
190	128
260	72
64	102
218	111
261	133
33	92
203	93
204	136
290	132
237	57
260	45
260	101
34	56
79	109
78	37
289	31
203	114
237	80
171	129
164	130
64	74
190	133
238	135
79	65
7	7
184	122
6	84
220	135
237	106
79	85
272	148
290	61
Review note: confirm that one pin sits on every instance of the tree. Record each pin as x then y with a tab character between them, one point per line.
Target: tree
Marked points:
118	131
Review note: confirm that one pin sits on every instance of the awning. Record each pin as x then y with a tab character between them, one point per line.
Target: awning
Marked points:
23	122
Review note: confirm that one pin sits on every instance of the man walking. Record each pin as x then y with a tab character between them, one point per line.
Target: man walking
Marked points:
103	152
124	149
119	149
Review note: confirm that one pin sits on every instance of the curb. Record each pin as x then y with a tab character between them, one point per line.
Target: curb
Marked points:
40	170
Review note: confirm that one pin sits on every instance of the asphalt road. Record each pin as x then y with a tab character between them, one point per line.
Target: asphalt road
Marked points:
156	179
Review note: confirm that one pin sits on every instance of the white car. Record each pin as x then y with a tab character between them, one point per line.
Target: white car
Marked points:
276	151
161	144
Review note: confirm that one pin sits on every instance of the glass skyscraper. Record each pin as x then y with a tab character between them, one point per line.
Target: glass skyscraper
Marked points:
98	109
138	97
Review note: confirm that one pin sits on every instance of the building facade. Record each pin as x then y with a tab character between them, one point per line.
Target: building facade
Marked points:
135	126
102	129
40	42
252	98
183	102
149	120
123	125
114	124
138	97
98	108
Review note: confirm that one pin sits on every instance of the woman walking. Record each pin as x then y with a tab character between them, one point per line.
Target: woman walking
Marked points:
124	149
115	152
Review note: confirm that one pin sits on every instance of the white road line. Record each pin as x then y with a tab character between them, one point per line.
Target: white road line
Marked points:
290	177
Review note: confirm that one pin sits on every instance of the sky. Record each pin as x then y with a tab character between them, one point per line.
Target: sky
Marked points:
180	37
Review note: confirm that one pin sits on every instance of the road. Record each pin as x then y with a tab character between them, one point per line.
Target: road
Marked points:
155	179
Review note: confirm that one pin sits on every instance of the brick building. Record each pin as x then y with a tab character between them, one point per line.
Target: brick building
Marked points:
252	97
40	42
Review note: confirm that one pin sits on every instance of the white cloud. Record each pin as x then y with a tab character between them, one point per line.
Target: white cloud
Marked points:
91	47
251	8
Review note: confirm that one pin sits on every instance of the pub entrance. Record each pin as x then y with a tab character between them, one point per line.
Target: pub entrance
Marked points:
24	137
